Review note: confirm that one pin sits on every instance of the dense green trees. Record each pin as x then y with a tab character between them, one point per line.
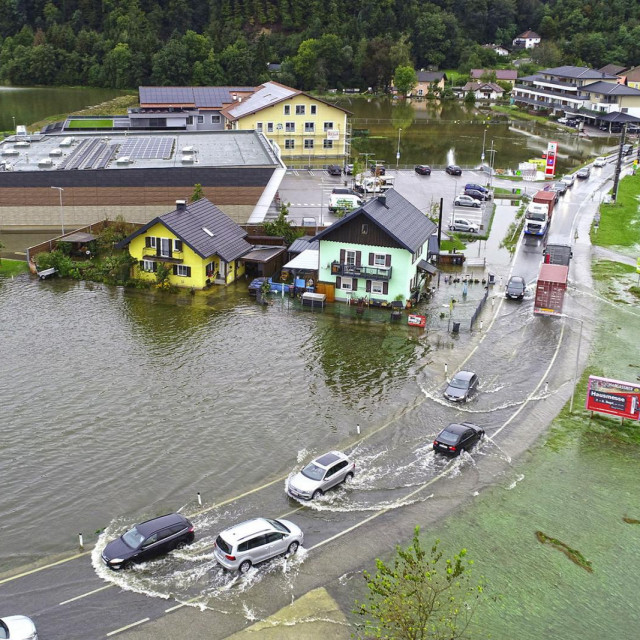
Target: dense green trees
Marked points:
320	43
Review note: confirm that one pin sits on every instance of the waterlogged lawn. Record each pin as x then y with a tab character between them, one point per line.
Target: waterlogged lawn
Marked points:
620	221
10	268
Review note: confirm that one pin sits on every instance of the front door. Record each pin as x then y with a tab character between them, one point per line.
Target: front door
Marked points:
223	270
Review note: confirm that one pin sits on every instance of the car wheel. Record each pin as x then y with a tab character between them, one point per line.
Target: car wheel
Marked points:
245	565
316	494
348	478
293	547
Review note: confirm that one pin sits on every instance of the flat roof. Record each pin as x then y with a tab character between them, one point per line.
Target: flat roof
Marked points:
54	152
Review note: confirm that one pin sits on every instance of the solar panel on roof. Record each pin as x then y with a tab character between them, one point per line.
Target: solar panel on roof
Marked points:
147	148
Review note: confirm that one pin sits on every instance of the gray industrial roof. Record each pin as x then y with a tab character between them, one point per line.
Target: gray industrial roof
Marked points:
609	89
269	93
203	227
404	222
578	73
200	97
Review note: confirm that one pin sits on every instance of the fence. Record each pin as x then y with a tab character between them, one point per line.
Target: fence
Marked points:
479	308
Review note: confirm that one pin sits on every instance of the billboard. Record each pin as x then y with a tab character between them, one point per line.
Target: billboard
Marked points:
614	397
333	134
550	166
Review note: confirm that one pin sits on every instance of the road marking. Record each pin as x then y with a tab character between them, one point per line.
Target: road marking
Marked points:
84	595
46	566
133	624
182	604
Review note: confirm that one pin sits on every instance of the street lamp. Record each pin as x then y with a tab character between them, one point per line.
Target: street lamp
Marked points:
398	152
575	373
484	137
492	151
14	124
60	190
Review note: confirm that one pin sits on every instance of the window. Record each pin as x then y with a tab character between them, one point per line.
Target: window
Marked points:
165	247
287	109
313	109
309	127
289	144
177	245
189	119
290	127
350	258
346	283
151	241
377	288
300	110
274	536
327	144
308	144
259	126
149	266
181	270
365	229
200	119
328	125
210	269
269	127
380	260
215	119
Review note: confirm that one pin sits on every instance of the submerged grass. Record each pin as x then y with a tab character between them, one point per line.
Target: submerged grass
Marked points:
573	554
12	267
620	220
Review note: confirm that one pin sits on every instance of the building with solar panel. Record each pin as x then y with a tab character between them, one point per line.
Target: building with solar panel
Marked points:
86	176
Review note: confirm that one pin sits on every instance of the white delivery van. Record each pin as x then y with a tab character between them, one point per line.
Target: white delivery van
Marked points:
344	201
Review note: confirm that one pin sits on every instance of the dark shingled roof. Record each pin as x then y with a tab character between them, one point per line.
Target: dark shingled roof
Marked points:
608	89
619	116
577	73
228	240
431	76
302	244
405	223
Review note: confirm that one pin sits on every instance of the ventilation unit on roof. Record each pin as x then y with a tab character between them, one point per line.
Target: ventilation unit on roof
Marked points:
190	149
124	160
187	159
66	142
23	143
55	152
45	163
10	151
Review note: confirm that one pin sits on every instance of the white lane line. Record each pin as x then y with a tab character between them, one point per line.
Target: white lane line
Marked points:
46	566
84	595
179	606
133	624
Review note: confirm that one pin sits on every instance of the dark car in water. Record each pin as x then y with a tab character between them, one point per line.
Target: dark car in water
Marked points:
476	195
461	387
453	170
334	170
583	173
516	287
560	188
148	540
423	169
456	438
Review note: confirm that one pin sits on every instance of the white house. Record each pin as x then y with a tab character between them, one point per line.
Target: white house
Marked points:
527	40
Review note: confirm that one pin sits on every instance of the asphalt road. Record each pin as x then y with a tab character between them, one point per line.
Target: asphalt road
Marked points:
526	366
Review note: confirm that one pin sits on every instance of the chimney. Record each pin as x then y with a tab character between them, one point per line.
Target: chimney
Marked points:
382	199
181	205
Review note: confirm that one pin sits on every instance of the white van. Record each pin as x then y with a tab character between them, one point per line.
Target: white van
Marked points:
344	201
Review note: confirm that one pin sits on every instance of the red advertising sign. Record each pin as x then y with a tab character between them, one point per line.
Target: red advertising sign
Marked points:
551	155
617	398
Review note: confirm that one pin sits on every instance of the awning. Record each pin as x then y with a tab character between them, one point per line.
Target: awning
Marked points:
619	116
423	265
262	254
308	260
78	236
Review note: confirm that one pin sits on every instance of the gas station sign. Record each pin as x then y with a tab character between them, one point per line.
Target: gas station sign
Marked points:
550	166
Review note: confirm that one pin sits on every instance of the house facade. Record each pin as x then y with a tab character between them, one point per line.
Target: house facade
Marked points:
378	252
484	90
197	242
428	82
527	40
633	78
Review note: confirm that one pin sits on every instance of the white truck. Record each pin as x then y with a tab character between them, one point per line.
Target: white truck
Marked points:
344	201
373	184
536	219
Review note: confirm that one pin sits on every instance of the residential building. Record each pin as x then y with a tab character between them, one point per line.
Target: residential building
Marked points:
504	75
527	40
633	78
428	82
496	48
576	90
379	251
614	70
198	242
483	90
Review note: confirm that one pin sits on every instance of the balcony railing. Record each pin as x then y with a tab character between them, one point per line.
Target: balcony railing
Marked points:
171	256
352	271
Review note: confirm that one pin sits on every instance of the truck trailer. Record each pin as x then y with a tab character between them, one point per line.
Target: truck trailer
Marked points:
539	213
550	289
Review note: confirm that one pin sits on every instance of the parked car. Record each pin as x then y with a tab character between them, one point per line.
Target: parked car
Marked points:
18	628
453	170
465	201
249	543
562	121
345	191
583	173
560	188
476	195
600	161
568	180
516	287
479	187
627	149
148	540
462	224
321	474
378	169
423	169
334	170
456	438
462	386
348	169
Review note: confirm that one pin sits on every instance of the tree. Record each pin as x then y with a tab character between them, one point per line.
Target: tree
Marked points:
422	596
282	227
197	194
405	79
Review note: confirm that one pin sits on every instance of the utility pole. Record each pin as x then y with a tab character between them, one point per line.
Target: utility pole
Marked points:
616	174
398	152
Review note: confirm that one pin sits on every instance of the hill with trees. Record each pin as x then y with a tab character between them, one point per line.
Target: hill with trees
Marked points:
320	43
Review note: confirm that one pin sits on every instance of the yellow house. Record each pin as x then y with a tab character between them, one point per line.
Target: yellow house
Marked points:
197	242
301	125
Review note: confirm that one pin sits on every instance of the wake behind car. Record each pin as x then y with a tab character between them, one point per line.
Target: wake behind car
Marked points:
462	386
515	287
456	438
321	474
465	201
423	169
148	540
18	628
248	543
453	170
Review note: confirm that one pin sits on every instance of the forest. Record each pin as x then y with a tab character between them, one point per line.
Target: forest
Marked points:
320	44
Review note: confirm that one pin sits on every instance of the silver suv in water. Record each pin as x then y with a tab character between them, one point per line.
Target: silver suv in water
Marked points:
321	474
245	545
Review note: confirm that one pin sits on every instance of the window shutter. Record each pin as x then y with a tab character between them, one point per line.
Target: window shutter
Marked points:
154	268
188	272
371	259
343	254
354	285
387	260
338	282
385	288
358	258
368	286
158	245
147	241
175	269
177	245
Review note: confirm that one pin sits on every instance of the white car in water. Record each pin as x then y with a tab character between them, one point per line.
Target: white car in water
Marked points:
600	161
321	474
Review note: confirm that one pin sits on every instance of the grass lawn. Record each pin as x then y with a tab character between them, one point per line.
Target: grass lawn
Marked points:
90	124
514	112
620	221
12	267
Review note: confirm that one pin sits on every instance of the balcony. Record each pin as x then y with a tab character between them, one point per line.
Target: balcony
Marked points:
381	274
175	257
